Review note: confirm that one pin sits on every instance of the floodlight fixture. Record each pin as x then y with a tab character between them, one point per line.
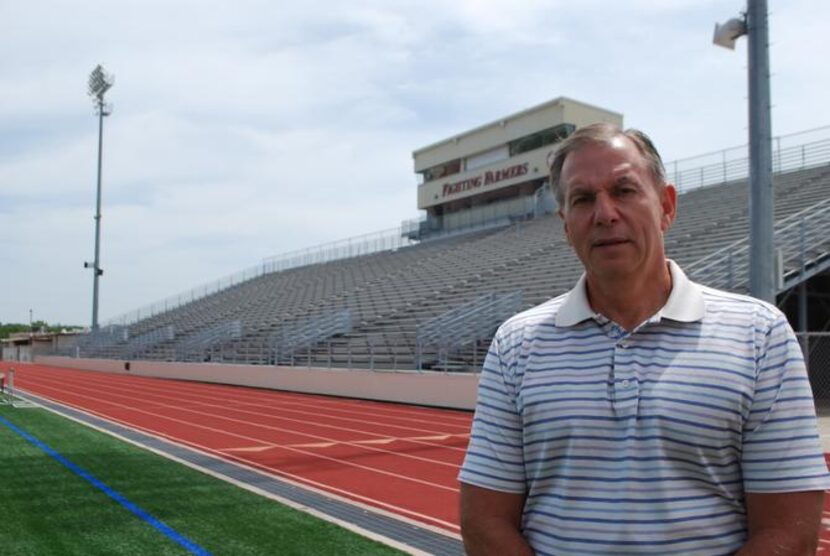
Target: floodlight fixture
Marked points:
727	33
754	25
99	82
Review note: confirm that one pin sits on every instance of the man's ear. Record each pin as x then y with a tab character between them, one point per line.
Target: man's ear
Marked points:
668	203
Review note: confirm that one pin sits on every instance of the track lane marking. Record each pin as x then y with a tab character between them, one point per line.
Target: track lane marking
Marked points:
252	449
256	440
166	395
321	439
412	414
388	440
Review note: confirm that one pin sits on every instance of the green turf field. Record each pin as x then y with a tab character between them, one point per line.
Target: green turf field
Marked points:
47	509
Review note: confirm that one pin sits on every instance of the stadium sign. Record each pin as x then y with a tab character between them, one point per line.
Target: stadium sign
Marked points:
482	180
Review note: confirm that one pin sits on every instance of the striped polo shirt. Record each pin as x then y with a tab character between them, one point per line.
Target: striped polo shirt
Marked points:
644	442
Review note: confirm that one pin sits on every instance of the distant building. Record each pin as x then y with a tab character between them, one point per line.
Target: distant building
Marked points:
496	172
23	346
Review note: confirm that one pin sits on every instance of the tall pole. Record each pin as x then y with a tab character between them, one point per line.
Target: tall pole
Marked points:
96	265
761	201
99	83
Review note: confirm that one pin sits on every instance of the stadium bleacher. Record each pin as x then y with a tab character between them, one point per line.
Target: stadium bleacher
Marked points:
389	293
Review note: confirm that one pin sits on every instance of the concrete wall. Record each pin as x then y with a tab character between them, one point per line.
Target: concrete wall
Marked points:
20	352
425	388
10	353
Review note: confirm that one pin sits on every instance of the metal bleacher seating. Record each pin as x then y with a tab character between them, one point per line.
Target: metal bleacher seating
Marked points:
390	293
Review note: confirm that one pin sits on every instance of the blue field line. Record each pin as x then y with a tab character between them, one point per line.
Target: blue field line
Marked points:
160	526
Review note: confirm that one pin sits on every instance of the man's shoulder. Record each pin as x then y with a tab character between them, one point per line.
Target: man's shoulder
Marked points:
543	314
720	302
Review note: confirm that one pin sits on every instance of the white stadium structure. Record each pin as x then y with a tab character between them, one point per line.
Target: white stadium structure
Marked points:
428	298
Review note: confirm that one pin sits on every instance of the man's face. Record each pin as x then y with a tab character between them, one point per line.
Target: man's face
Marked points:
614	212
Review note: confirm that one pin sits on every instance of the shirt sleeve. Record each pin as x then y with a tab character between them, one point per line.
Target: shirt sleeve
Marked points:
494	457
781	446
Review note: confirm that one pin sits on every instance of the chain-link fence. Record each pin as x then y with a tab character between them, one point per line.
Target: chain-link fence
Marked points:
816	348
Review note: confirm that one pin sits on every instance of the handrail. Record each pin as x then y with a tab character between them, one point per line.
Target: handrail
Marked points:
436	326
716	256
105	334
465	324
732	163
221	331
729	267
308	331
365	244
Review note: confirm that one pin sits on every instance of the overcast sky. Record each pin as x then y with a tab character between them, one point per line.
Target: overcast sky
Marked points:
241	130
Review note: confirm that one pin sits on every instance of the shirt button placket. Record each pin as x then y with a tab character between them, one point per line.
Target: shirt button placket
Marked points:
626	388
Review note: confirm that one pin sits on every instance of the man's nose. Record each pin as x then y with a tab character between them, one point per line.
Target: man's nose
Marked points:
605	210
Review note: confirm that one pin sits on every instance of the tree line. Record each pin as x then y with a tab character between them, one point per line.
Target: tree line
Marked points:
9	328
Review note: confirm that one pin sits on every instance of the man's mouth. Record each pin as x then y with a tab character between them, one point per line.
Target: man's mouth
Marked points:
608	242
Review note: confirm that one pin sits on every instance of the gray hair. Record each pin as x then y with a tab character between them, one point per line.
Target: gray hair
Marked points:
602	133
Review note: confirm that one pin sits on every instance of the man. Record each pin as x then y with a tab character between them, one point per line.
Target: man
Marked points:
640	413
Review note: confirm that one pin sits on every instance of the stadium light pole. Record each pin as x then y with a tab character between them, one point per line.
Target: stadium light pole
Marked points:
98	84
762	272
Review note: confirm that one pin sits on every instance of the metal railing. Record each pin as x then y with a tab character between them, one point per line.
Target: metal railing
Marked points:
798	239
103	337
146	341
439	337
198	345
795	151
366	244
119	344
499	211
303	334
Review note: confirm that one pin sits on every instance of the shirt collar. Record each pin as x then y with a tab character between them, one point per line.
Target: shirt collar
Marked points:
685	302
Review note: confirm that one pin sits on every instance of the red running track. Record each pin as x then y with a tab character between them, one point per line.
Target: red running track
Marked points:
398	458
